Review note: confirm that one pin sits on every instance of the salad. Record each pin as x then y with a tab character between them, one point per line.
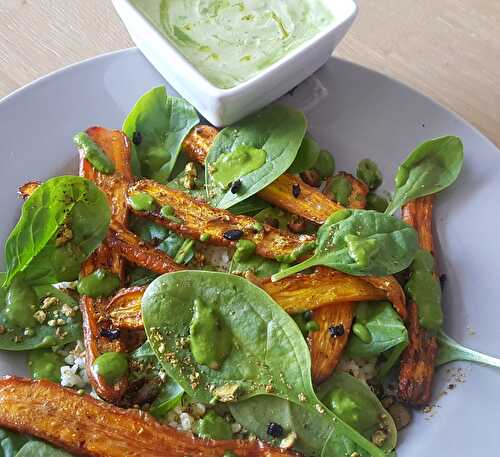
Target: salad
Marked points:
197	292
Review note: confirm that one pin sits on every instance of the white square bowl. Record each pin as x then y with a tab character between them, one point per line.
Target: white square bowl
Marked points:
226	106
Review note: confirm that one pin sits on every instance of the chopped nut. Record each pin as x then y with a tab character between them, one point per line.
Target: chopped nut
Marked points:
60	322
379	437
226	393
302	397
67	310
40	316
65	235
288	441
51	323
48	302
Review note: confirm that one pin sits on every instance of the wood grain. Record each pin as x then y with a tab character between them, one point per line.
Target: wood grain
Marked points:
448	49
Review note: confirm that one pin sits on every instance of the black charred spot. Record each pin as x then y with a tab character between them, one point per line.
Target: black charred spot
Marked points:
275	430
336	330
233	235
137	138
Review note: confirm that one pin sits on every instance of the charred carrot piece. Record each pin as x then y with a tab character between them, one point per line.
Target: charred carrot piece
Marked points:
418	360
116	146
328	343
195	217
295	294
128	245
87	427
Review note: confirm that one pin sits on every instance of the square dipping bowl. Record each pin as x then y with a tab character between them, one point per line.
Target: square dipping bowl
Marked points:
225	106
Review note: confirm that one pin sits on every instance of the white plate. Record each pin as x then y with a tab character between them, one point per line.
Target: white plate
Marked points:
355	113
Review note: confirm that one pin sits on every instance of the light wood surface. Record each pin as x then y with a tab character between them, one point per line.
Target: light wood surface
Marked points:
447	49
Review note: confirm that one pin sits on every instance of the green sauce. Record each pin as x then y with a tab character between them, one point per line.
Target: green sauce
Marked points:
93	153
21	301
425	290
142	201
369	173
231	41
112	366
242	161
45	364
214	427
211	340
340	190
100	283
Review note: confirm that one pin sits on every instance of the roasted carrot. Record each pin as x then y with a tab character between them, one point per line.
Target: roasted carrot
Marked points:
223	228
116	146
295	294
87	427
327	349
418	360
136	251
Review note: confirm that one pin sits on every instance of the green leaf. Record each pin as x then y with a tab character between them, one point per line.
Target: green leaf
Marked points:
388	334
430	168
267	350
306	157
163	123
40	449
451	351
41	335
354	402
11	442
250	206
277	130
64	205
313	429
361	243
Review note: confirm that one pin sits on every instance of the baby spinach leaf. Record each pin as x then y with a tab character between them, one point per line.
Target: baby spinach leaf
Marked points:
451	351
354	402
61	224
430	168
40	449
388	334
361	243
306	157
315	437
255	151
250	206
158	124
268	352
41	334
11	442
312	428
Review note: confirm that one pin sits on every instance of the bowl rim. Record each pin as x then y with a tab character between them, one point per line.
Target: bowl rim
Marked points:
251	84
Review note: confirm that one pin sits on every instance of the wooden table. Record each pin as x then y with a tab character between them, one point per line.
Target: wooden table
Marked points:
448	49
